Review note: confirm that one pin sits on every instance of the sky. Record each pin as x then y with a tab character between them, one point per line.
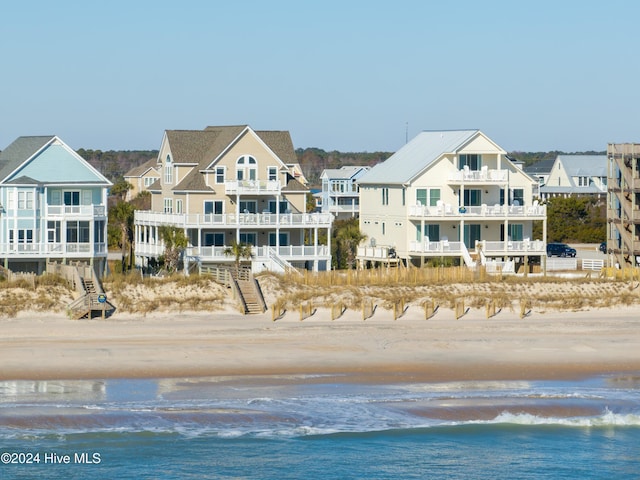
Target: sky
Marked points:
344	75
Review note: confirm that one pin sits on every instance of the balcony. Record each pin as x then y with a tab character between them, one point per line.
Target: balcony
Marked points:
76	211
509	248
534	211
232	220
81	250
290	253
252	187
483	175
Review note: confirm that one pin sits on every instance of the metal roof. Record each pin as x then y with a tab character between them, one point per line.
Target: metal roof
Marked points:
415	156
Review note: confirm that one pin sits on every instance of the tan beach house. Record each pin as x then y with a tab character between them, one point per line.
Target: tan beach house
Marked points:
453	194
232	184
53	206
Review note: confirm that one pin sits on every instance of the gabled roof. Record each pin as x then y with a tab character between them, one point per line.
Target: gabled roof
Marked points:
543	167
202	147
584	165
46	159
415	156
140	170
346	172
21	150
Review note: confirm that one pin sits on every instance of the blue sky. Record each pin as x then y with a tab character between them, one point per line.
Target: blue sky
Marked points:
343	75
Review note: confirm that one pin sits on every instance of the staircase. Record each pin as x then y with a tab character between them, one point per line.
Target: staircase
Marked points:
89	288
248	291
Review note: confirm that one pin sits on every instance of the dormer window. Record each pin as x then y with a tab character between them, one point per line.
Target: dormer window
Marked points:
168	171
246	168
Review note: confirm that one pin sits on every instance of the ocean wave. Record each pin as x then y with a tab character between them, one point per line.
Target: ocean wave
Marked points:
606	419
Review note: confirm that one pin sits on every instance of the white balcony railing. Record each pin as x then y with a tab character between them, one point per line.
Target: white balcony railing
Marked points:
289	252
252	187
487	211
77	210
53	249
300	220
483	175
443	247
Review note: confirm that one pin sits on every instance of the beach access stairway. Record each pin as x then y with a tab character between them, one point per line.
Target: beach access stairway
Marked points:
88	287
246	289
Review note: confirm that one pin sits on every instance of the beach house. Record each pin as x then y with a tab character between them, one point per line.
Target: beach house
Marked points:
53	206
141	178
450	194
623	204
231	185
576	175
340	195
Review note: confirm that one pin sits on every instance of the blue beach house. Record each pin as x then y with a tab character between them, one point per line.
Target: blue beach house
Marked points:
53	206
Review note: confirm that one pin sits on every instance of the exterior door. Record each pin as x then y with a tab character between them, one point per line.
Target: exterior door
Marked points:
471	234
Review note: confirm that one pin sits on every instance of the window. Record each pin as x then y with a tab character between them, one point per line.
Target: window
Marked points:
428	196
272	173
283	237
404	195
283	207
53	231
431	232
385	196
213	239
517	194
248	206
219	174
25	200
213	207
473	161
10	200
434	197
98	232
148	181
168	171
515	232
383	228
25	236
179	205
249	238
472	198
168	205
78	232
72	198
246	168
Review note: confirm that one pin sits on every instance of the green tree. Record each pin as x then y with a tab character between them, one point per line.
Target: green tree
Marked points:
175	242
120	189
121	219
347	237
576	219
238	251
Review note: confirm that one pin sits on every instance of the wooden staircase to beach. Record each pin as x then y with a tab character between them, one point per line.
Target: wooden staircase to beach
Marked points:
248	291
89	289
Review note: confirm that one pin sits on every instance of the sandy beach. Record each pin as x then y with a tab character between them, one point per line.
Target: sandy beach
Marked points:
541	346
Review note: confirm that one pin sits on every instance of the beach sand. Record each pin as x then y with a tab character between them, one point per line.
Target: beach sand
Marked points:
549	345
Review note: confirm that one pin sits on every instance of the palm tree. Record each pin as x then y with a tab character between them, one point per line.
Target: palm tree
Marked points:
238	251
348	238
121	217
175	242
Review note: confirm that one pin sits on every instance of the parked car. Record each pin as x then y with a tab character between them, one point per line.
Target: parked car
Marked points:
560	250
603	247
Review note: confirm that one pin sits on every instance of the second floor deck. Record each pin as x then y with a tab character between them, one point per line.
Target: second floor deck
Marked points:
234	220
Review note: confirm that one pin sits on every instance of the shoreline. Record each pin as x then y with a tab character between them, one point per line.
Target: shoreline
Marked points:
543	346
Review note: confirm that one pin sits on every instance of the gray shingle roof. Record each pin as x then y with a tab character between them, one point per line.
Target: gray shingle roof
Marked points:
415	156
142	169
20	151
204	146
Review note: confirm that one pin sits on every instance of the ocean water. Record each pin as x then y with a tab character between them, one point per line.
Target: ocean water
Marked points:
317	427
